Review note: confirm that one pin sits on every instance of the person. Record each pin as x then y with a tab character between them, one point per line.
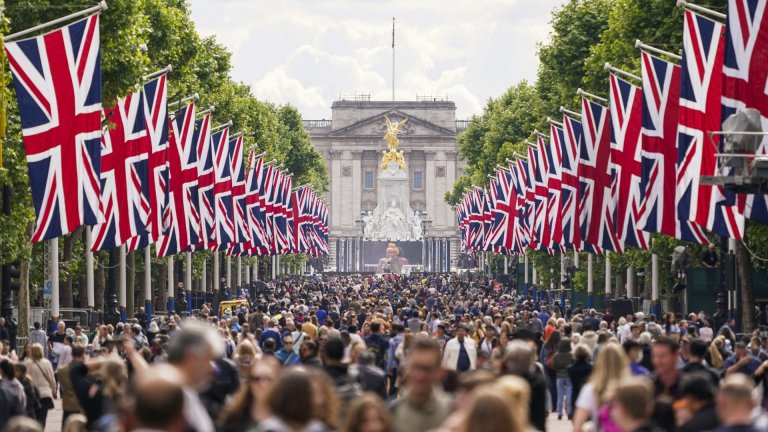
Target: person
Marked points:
580	370
423	406
32	396
371	377
308	354
709	258
101	339
80	337
518	361
611	366
392	263
635	355
286	354
37	335
633	404
245	357
666	380
735	404
142	318
10	406
742	361
460	352
378	344
41	372
56	340
271	333
488	410
248	407
698	393
157	400
65	352
562	361
69	402
697	349
367	414
292	402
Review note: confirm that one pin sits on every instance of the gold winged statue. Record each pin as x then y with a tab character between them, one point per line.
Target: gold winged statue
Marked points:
393	155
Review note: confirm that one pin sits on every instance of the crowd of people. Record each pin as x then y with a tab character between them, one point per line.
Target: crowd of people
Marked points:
366	353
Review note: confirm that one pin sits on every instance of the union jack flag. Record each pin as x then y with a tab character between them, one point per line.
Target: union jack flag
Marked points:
300	199
569	183
206	178
242	238
595	211
256	227
224	225
155	189
745	81
181	216
476	203
124	174
462	216
57	77
266	189
504	211
537	175
554	225
626	122
700	112
661	104
282	212
525	201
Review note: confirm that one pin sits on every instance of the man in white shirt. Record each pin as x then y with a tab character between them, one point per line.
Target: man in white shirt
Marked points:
65	352
460	353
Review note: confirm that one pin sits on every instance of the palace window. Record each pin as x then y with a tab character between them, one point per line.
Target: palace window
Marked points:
418	180
368	180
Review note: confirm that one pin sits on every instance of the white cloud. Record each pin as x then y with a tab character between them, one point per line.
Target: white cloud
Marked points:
308	53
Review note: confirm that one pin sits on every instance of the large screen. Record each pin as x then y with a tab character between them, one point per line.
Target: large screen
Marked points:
374	251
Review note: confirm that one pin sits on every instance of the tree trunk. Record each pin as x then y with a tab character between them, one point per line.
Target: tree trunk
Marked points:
744	267
99	281
130	282
66	286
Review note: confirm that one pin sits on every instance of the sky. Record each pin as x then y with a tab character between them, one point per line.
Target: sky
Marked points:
311	52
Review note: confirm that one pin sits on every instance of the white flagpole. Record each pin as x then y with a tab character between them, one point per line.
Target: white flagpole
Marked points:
148	281
204	277
630	282
89	268
590	286
607	274
121	286
228	270
187	277
53	246
216	272
393	59
98	8
171	305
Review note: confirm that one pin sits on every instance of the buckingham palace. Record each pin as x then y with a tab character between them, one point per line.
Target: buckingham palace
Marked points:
352	143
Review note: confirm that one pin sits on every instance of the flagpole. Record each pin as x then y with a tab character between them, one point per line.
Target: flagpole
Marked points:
148	282
187	279
98	8
53	246
171	305
566	111
640	45
580	92
618	71
216	273
121	287
393	59
194	96
153	75
607	274
89	268
228	263
696	8
590	286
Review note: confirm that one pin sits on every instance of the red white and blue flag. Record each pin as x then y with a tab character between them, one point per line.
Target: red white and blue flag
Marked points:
626	121
57	77
124	173
554	220
242	237
569	184
224	225
256	227
206	178
700	113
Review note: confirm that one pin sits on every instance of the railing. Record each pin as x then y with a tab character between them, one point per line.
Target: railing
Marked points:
431	98
461	125
317	124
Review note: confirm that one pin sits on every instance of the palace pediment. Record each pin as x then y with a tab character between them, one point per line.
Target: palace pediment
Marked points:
375	126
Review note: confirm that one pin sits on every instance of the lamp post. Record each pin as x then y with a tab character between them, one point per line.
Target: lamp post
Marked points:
425	224
181	300
360	260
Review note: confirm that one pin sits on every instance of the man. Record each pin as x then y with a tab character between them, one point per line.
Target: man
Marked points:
56	340
590	322
518	361
308	354
665	353
65	352
709	259
635	354
378	344
698	351
423	406
741	361
735	404
158	400
460	352
143	319
632	405
699	395
80	338
69	402
347	386
286	354
756	348
10	405
38	335
371	378
271	333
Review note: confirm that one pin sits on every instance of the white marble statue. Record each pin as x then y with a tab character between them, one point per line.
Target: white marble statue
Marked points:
393	223
369	225
416	225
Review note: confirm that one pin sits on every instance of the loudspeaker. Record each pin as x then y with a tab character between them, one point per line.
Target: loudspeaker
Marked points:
622	307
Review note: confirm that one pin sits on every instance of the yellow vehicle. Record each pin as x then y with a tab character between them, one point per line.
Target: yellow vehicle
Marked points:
232	306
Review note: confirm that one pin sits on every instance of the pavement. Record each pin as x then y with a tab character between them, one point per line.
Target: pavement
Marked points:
53	424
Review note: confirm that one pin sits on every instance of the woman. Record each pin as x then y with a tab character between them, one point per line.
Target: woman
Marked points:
327	406
580	370
715	357
551	326
518	393
367	414
245	357
547	358
152	332
611	365
30	392
563	360
99	393
671	328
41	372
490	411
102	337
291	402
247	407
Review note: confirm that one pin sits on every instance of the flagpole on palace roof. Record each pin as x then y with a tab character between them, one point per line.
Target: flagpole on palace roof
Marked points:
99	7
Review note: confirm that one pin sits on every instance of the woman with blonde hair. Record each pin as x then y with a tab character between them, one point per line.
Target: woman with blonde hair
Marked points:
715	352
44	380
245	357
611	365
518	393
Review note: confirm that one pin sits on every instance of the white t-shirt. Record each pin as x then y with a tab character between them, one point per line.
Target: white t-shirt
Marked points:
588	401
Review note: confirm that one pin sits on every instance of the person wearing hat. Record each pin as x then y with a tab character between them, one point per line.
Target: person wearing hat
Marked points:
460	353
